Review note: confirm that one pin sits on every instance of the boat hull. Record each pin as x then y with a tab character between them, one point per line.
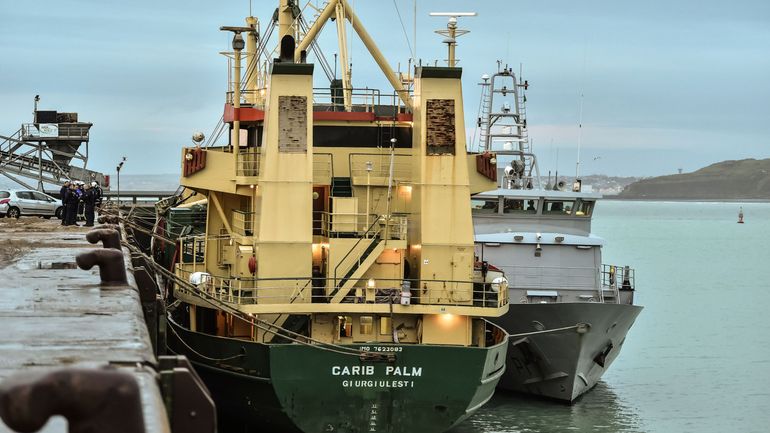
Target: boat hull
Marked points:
295	387
563	365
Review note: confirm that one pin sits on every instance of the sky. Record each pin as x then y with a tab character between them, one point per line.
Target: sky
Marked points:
665	84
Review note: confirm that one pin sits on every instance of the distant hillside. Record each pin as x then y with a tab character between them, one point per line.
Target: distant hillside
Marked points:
747	179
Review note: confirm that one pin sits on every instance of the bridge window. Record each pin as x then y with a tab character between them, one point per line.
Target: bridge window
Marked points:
558	207
485	206
585	208
513	205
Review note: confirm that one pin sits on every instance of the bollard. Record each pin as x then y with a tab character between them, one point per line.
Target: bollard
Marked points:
112	269
104	400
110	237
108	219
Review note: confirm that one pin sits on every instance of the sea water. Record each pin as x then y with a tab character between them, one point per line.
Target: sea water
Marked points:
698	357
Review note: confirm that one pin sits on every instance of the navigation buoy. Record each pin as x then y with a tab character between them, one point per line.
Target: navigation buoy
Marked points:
740	216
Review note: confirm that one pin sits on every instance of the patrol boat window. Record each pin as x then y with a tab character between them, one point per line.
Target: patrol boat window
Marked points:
558	207
584	208
517	205
486	206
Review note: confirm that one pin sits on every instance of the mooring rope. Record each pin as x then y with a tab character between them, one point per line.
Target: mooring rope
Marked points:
547	331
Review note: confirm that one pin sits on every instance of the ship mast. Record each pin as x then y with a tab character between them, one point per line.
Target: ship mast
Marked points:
337	9
452	33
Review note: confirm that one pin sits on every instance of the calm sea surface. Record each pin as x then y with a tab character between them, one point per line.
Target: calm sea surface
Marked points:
698	357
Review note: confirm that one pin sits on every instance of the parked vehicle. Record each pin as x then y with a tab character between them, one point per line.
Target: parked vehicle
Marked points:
16	203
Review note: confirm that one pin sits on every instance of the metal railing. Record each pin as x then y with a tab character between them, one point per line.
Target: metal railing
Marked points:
324	99
615	278
289	290
243	222
366	168
32	131
247	162
323	168
339	224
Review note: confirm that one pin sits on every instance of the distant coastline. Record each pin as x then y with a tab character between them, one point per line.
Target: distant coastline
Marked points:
746	180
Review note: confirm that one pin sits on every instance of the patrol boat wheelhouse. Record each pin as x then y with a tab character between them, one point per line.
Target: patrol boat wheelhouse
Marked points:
569	312
331	286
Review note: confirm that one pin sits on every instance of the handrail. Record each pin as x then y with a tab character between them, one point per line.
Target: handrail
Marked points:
246	291
362	237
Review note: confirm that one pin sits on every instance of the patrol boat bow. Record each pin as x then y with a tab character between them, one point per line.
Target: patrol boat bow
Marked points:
570	313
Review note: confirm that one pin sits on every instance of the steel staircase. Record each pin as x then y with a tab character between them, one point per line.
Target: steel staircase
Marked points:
342	187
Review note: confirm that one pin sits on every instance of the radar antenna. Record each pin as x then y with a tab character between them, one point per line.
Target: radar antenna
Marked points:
452	32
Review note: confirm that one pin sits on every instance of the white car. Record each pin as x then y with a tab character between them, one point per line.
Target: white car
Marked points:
16	203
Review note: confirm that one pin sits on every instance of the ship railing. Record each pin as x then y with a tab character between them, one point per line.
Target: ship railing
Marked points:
249	98
374	168
247	162
292	290
323	168
243	222
360	225
362	100
615	278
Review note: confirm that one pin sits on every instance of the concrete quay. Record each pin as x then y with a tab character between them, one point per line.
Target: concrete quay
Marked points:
58	318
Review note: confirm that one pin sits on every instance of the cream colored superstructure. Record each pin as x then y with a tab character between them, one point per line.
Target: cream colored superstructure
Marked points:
340	213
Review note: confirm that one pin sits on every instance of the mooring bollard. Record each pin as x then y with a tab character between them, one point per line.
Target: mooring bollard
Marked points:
112	269
104	400
110	237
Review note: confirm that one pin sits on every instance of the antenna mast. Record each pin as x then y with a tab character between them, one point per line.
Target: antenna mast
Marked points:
580	137
452	32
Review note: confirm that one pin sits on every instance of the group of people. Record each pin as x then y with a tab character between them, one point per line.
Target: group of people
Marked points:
80	198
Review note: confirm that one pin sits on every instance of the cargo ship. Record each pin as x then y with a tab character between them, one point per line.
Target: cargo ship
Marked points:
319	257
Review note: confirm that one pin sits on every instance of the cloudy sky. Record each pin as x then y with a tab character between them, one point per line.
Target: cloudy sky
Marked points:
666	84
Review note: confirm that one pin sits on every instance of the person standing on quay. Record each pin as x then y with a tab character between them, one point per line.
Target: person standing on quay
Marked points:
89	200
63	192
72	206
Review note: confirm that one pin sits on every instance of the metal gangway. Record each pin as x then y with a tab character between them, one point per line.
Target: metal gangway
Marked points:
50	150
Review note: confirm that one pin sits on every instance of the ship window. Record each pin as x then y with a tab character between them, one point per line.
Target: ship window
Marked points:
365	325
384	325
514	205
585	208
487	206
345	326
555	207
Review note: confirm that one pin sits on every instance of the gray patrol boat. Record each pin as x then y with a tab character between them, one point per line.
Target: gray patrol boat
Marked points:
569	313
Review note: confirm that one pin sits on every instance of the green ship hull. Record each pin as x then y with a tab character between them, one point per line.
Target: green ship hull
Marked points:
296	387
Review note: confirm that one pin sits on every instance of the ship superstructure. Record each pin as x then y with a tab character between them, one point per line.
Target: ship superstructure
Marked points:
569	312
332	288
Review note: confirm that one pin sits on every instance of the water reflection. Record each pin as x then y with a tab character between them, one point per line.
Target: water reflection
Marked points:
599	410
